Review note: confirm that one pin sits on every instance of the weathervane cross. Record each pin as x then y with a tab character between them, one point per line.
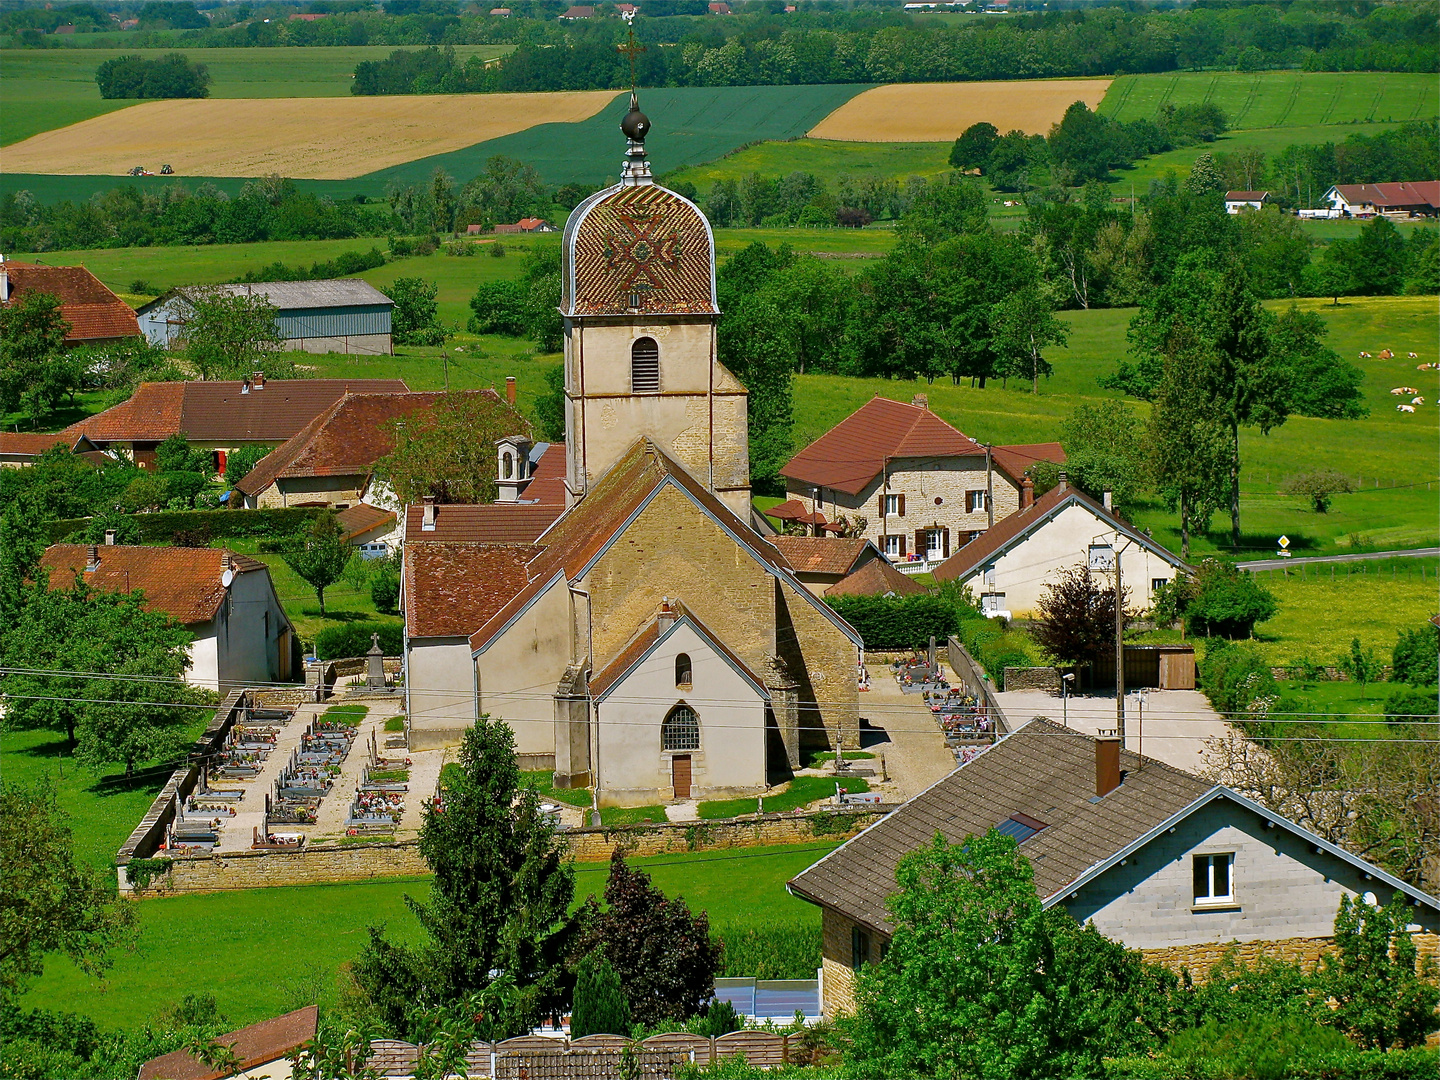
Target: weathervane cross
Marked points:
630	48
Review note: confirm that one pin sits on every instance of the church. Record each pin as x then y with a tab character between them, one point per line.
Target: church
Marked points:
619	606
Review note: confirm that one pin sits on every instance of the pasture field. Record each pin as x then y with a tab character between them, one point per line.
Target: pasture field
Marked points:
44	89
315	138
940	112
264	951
828	159
1279	99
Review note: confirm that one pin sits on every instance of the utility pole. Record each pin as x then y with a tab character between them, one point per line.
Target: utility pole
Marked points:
446	357
989	491
1119	649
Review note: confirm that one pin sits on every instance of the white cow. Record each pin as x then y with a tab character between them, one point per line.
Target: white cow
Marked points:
1404	408
1417	401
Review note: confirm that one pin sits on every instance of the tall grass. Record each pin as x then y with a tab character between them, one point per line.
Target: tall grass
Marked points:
769	950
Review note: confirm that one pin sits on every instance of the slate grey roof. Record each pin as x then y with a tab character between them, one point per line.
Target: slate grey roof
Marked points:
1043	771
296	295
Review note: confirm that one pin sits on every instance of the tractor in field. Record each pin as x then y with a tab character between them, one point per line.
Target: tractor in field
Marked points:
166	170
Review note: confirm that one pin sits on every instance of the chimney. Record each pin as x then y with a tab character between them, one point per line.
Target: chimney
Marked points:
1107	766
245	386
1109	500
427	517
109	537
510	389
1064	481
666	618
921	401
92	558
257	379
1027	493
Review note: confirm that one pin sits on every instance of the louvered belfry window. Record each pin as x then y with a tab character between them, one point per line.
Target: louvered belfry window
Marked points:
645	367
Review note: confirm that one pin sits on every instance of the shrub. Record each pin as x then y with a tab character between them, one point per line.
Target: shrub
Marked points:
897	622
600	1005
1362	665
777	951
242	461
385	589
161	527
1410	708
719	1019
1416	655
1319	487
1237	679
1258	1048
1221	600
353	639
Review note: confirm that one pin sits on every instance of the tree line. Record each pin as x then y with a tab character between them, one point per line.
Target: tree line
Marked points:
172	76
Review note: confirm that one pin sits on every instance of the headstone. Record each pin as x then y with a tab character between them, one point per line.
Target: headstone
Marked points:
930	656
375	665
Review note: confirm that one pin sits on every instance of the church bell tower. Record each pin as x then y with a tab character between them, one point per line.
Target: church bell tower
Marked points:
638	301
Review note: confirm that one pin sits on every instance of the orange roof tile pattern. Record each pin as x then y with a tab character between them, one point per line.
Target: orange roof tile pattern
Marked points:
492	523
270	1040
451	588
639	247
93	311
820	554
876	578
184	583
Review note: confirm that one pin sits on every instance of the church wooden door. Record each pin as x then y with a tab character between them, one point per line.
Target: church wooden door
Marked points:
680	775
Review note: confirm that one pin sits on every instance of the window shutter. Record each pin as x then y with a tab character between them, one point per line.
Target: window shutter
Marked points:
882	502
902	545
920	542
945	539
902	505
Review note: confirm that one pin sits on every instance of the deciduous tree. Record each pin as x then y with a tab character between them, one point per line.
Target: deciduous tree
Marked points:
229	335
448	451
321	558
1076	617
1103	450
1023	326
416	319
34	372
1319	488
1374	979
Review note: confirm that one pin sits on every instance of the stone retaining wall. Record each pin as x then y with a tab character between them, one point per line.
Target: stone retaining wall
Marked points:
1199	959
330	863
1033	678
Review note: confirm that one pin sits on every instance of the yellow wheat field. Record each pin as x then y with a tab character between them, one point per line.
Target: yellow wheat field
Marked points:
311	138
940	112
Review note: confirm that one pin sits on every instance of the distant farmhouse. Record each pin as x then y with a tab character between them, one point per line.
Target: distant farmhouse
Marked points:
222	416
343	316
923	488
242	634
95	314
526	225
1235	201
1418	199
1158	859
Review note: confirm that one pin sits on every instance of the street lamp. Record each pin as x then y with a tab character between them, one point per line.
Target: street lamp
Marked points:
1140	696
1065	681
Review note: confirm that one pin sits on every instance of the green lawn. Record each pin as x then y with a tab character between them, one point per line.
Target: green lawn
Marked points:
262	951
45	89
800	792
1322	607
1278	99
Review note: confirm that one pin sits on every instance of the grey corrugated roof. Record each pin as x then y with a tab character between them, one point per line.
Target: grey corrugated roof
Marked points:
293	295
1044	771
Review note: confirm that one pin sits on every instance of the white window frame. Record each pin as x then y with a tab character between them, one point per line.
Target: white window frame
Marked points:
892	505
975	501
893	546
934	544
1219	873
1102	557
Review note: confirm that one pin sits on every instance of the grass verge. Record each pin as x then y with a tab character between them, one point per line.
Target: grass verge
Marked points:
798	793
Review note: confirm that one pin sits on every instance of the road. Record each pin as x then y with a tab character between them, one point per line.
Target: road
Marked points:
1359	556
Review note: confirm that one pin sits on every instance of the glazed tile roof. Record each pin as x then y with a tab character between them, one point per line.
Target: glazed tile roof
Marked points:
876	578
643	240
1043	771
489	523
451	588
258	1044
350	436
93	311
184	583
222	410
820	554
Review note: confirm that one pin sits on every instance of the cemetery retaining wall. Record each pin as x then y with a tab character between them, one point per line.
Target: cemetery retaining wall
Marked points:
1033	678
973	679
330	863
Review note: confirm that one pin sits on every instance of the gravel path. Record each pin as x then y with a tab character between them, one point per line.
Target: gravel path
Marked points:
915	754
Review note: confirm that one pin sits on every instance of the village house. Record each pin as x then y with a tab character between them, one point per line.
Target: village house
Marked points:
1235	201
340	316
526	225
220	415
921	488
1413	199
95	314
227	601
1008	567
372	530
822	561
331	462
1156	858
645	639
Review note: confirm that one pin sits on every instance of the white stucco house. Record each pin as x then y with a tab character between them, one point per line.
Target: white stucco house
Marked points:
1008	567
227	601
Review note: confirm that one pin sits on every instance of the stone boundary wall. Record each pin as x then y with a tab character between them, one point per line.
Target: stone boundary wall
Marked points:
1199	959
332	863
973	679
1033	678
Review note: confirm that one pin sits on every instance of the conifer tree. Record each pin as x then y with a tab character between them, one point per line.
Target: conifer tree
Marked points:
600	1005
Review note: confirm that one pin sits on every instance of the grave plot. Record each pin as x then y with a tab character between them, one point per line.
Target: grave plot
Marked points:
379	801
311	772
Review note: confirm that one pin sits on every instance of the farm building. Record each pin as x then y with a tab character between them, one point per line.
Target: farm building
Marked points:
1235	201
1418	199
342	316
527	225
95	314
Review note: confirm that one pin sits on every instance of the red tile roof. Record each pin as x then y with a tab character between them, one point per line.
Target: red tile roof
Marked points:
1014	461
1408	193
220	411
501	523
820	554
258	1044
1246	196
93	311
349	437
184	583
27	443
876	578
362	518
451	588
852	453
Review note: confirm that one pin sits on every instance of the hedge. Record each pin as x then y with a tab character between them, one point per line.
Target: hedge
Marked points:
222	524
353	639
897	622
995	648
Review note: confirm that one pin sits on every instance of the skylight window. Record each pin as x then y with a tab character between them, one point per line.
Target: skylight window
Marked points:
1020	826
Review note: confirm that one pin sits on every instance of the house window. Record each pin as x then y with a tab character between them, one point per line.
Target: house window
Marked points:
895	547
682	671
934	543
1158	583
681	729
645	366
1214	879
1102	557
975	502
859	947
892	505
991	603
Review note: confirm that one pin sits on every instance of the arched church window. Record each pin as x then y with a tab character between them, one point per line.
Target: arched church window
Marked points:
645	366
682	671
681	729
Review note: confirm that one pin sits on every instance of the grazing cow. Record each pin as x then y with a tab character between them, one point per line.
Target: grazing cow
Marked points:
1414	355
1398	390
1417	400
1404	408
1386	354
1365	356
